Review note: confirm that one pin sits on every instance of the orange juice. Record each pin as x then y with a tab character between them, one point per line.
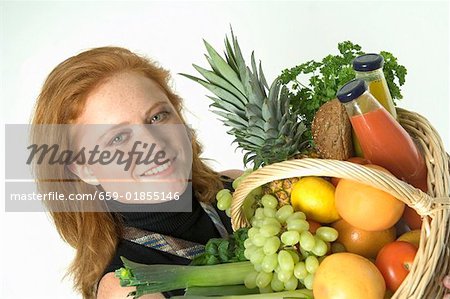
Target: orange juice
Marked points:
385	143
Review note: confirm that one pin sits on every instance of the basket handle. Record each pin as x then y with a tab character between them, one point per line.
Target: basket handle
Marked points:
413	197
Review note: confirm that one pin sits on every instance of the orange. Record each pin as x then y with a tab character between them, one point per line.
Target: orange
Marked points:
314	196
348	276
366	207
356	160
363	242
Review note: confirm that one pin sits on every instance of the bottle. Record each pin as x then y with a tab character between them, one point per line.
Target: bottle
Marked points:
369	67
383	140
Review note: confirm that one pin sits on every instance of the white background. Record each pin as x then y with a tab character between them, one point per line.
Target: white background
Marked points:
36	36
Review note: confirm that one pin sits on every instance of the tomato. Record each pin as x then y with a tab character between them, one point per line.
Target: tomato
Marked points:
412	218
356	160
394	262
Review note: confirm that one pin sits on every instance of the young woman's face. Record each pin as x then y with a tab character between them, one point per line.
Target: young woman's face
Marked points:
125	113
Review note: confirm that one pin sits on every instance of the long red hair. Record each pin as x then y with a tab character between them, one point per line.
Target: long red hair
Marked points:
95	235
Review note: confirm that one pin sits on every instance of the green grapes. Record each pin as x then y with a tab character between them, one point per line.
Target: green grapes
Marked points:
269	201
250	280
276	284
327	234
290	238
224	199
284	253
271	246
311	264
300	270
284	212
269	263
263	279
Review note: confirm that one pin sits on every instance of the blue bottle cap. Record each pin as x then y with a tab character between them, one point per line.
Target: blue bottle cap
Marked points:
368	62
351	90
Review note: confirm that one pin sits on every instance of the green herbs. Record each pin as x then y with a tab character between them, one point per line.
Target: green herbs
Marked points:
391	71
330	74
219	251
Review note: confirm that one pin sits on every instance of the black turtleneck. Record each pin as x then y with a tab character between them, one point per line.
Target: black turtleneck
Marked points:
195	226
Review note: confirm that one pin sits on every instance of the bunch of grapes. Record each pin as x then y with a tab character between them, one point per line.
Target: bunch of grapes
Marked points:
284	252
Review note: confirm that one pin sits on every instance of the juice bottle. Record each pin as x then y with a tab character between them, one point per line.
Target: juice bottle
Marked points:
383	140
369	67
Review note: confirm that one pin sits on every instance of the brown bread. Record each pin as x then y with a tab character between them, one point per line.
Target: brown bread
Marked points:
332	131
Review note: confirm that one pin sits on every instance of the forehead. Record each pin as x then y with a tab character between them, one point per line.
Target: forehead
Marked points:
122	97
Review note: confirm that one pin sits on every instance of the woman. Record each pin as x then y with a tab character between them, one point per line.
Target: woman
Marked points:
112	85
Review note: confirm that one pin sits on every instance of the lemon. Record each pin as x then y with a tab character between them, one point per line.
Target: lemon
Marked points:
314	196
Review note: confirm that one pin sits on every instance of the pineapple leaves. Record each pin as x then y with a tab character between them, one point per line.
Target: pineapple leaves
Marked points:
259	116
219	81
265	110
262	77
224	69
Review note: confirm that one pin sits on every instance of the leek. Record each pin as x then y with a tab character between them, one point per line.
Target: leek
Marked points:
221	290
303	293
162	278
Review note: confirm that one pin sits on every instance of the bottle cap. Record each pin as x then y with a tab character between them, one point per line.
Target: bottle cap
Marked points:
351	90
368	62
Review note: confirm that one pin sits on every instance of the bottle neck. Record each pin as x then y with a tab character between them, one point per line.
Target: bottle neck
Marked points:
370	75
363	104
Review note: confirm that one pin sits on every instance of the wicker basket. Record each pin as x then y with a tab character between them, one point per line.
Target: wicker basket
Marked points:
432	261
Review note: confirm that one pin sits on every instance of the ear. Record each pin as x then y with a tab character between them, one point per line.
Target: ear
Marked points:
84	173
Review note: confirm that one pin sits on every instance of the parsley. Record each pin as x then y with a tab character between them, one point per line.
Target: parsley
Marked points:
329	75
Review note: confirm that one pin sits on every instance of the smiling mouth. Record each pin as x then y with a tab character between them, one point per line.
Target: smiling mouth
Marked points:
159	169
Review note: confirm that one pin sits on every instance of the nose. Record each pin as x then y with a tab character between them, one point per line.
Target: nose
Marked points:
154	135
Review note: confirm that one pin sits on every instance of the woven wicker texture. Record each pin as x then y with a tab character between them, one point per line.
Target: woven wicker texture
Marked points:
433	258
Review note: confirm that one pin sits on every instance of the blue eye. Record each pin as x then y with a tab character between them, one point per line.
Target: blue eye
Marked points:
118	139
159	117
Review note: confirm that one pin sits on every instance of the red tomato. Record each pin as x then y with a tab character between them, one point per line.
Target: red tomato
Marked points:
412	218
394	262
356	160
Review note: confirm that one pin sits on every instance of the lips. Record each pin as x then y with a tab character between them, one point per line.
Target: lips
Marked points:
160	169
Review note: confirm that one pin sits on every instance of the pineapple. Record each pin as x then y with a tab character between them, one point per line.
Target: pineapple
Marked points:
259	117
281	189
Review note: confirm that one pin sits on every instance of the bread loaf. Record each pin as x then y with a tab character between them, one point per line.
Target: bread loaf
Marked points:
332	131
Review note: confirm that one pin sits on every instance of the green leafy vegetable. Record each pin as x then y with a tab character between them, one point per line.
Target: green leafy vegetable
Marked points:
330	74
218	251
